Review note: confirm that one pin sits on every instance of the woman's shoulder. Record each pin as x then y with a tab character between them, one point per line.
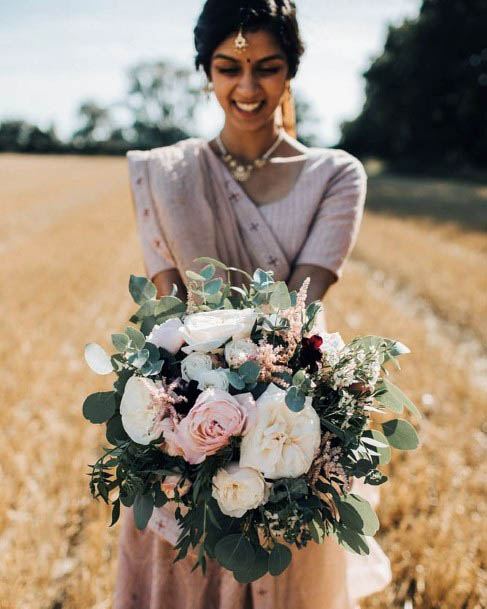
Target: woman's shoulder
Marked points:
336	165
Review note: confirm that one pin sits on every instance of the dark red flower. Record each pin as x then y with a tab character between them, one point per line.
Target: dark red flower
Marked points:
310	353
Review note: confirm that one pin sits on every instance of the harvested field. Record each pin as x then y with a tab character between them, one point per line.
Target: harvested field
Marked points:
68	245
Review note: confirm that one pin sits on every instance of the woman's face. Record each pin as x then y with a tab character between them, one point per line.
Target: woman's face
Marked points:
249	85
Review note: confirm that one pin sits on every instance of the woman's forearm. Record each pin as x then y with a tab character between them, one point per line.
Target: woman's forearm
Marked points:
320	280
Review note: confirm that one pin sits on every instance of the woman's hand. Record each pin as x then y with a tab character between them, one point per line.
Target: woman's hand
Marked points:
164	282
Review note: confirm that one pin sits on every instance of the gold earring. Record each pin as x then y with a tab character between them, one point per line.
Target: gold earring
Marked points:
208	89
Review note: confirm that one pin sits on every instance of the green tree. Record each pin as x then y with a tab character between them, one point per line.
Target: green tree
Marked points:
426	95
21	136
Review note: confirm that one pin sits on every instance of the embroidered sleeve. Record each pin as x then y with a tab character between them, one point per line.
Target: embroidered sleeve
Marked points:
156	254
336	225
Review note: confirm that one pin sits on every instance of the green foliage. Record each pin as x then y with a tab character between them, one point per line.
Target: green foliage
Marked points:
141	289
295	399
394	399
143	507
279	559
357	514
99	407
234	552
400	434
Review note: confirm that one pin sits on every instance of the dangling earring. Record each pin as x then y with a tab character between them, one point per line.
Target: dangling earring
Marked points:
208	89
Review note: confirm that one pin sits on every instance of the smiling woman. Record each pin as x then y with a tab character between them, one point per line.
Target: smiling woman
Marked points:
253	197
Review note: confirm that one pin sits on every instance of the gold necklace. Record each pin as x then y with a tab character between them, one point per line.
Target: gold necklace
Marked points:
242	171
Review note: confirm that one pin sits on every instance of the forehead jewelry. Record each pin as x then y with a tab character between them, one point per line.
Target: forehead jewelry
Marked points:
240	41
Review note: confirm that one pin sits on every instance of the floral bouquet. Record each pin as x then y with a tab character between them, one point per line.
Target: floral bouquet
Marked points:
252	425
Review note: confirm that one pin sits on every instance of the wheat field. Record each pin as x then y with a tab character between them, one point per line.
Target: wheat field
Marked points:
68	244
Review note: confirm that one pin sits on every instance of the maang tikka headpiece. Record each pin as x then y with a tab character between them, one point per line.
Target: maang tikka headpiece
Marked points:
241	43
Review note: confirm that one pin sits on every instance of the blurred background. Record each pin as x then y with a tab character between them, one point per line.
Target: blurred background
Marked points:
402	84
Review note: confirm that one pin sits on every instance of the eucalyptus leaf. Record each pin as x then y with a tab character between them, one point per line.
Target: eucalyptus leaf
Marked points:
139	358
212	261
213	287
235	380
234	552
169	306
280	298
120	342
194	276
98	359
115	431
208	271
357	513
141	289
352	541
279	559
257	568
249	371
99	407
295	399
394	399
400	434
136	337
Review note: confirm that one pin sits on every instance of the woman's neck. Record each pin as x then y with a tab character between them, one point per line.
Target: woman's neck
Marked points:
248	145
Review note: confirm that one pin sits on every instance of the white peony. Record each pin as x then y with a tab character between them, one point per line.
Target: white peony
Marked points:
209	330
213	378
239	489
139	411
194	364
282	443
167	335
238	351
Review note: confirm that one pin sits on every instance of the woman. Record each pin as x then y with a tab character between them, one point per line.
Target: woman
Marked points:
252	197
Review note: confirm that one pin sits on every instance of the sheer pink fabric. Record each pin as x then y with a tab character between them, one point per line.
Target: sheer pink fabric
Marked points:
187	204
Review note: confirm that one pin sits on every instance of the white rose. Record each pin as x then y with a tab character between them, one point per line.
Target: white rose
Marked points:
209	330
139	411
213	378
239	489
239	350
167	335
282	443
194	364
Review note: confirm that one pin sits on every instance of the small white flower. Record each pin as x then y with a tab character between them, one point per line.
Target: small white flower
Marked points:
194	364
282	443
213	378
208	330
239	350
167	335
239	489
139	411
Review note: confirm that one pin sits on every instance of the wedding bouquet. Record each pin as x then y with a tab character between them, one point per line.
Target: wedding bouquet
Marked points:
253	425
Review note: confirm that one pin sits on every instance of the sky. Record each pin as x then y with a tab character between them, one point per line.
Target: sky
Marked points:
56	53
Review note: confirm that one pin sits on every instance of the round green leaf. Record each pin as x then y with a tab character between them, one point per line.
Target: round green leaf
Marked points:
379	442
234	552
249	371
279	559
137	338
141	289
295	399
120	342
353	542
257	568
394	399
400	434
99	407
357	513
98	359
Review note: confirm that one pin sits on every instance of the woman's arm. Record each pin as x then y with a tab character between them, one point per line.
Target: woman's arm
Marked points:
165	280
320	280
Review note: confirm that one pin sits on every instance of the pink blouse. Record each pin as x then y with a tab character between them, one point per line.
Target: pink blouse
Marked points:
316	223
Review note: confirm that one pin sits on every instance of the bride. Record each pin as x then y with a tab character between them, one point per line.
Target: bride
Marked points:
252	197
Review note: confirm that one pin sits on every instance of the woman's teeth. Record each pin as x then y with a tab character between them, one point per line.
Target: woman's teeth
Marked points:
248	107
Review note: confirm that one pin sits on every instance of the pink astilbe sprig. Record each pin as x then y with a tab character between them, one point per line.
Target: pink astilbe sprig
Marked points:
295	316
164	400
272	361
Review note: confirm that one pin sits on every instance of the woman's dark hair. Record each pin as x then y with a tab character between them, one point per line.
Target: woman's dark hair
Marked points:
221	18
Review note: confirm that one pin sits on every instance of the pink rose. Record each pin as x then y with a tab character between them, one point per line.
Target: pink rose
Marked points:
215	417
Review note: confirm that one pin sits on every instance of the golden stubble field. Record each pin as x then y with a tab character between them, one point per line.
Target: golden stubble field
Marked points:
68	244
